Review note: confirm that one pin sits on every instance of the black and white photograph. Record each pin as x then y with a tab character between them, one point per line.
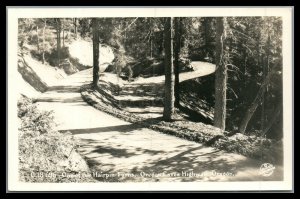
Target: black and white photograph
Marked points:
149	99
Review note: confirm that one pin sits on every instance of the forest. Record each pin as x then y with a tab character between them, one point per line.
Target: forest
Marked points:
221	76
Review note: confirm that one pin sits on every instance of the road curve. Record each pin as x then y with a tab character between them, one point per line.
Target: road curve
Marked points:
126	152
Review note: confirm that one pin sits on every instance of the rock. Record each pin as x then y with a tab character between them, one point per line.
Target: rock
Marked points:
68	67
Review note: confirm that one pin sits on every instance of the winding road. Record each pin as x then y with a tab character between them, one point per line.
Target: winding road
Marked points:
121	151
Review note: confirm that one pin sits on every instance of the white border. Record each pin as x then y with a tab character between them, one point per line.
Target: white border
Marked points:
13	13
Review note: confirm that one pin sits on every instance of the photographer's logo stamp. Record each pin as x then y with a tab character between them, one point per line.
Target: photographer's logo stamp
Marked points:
266	169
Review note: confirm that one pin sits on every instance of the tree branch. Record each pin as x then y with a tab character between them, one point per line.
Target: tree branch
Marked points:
128	25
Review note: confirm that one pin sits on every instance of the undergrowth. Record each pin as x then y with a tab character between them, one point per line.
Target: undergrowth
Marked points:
46	155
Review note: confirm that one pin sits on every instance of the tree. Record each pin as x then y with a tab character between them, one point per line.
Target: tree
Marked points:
37	37
95	52
58	31
84	27
176	58
265	66
206	31
220	76
25	26
250	111
255	47
44	29
169	71
75	27
276	114
151	43
63	30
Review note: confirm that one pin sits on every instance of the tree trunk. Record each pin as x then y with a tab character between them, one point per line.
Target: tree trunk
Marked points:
163	45
243	87
75	27
265	72
37	36
274	118
58	31
249	113
63	36
261	63
44	29
151	40
245	69
125	38
176	60
262	117
220	77
169	71
95	52
206	29
151	46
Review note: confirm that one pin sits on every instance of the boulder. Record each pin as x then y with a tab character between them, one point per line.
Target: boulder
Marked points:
68	67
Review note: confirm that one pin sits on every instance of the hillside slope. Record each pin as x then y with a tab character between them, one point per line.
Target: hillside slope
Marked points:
47	73
82	51
25	88
33	77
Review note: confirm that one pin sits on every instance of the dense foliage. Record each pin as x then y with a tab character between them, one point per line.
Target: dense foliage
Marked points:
254	50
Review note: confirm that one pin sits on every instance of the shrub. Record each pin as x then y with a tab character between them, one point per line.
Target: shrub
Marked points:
253	146
64	54
33	121
45	150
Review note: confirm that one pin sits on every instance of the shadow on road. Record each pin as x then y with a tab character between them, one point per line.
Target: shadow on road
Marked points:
64	89
59	99
117	128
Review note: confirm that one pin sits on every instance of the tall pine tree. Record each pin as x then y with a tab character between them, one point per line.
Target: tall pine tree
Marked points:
95	52
169	70
220	76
